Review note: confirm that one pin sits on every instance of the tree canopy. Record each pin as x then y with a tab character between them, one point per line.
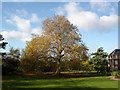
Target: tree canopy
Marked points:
59	42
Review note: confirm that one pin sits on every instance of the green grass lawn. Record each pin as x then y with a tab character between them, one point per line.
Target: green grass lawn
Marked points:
21	81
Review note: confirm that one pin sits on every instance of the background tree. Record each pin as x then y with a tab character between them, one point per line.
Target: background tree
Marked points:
87	67
35	55
99	61
2	44
11	61
14	52
9	64
60	41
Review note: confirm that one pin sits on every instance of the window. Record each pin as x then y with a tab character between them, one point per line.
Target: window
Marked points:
116	62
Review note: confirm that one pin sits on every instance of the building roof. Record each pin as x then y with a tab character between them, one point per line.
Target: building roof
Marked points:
115	52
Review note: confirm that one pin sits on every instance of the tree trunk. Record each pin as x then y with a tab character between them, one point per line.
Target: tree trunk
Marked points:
59	56
57	72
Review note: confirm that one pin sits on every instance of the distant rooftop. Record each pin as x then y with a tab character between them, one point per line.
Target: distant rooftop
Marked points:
115	52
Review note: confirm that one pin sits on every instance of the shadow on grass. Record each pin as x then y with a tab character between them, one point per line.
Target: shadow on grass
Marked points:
44	82
87	88
49	75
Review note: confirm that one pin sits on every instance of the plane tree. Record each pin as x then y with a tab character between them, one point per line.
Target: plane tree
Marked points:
59	42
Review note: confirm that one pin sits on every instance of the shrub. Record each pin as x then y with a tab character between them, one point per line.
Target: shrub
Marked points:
9	65
116	74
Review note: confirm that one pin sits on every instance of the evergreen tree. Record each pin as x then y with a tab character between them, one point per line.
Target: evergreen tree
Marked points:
99	61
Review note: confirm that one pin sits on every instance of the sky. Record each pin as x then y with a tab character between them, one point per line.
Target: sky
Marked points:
96	21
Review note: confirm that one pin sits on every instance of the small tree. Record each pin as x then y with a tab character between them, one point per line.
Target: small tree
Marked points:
99	61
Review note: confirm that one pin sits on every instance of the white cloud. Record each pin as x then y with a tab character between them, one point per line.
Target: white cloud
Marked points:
88	20
22	20
37	31
34	18
22	24
24	27
9	21
108	22
17	35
